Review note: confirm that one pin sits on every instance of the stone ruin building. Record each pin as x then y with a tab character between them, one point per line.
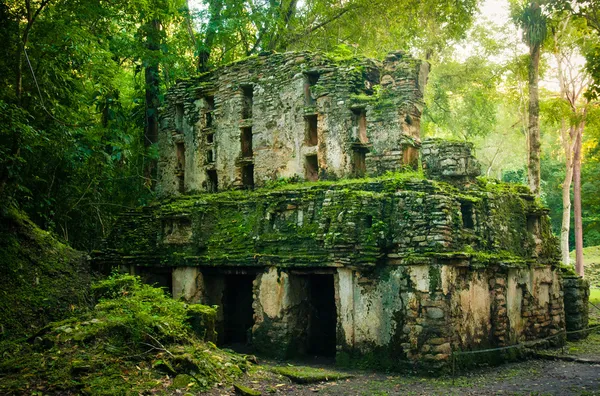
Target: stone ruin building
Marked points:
374	263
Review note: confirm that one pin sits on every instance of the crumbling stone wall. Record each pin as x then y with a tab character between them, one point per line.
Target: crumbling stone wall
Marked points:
253	121
577	295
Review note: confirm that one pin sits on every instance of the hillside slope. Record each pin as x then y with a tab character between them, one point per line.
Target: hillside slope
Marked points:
41	279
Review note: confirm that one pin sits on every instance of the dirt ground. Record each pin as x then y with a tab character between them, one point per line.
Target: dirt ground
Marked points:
531	377
535	377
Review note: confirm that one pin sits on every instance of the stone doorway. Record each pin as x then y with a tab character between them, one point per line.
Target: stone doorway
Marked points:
238	317
321	340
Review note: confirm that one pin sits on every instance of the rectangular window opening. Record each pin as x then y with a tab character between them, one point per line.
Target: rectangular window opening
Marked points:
212	184
210	106
311	168
180	167
179	117
359	164
210	138
210	103
210	156
312	123
248	92
466	210
310	80
360	125
533	223
410	157
248	176
246	139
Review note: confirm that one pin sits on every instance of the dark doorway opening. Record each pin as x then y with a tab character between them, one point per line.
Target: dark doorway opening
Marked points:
238	314
323	316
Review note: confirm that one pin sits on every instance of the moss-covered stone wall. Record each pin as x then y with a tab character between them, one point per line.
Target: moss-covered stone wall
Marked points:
259	119
419	267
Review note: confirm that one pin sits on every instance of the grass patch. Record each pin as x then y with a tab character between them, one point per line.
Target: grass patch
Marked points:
595	296
309	375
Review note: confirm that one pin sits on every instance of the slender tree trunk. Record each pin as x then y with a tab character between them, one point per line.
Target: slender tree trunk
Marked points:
152	96
533	167
566	216
577	202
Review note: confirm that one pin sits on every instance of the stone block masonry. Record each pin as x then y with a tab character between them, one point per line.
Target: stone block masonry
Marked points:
292	115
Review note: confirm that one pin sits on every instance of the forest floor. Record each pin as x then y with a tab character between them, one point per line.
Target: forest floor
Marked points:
530	377
533	377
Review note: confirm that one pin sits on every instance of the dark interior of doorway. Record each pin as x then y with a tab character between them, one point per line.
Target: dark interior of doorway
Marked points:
237	309
322	324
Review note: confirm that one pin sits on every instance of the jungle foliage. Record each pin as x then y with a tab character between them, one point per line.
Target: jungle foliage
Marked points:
135	339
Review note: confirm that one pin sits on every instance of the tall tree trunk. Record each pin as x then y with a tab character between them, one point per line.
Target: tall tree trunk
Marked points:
214	8
533	166
577	202
152	96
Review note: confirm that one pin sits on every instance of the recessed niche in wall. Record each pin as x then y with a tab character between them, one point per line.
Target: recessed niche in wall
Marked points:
311	129
311	168
210	156
210	138
248	99
246	140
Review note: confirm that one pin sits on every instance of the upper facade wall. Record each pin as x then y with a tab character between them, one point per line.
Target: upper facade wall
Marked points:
290	115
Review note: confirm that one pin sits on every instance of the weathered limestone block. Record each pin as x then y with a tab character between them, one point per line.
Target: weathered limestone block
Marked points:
449	161
187	284
280	308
